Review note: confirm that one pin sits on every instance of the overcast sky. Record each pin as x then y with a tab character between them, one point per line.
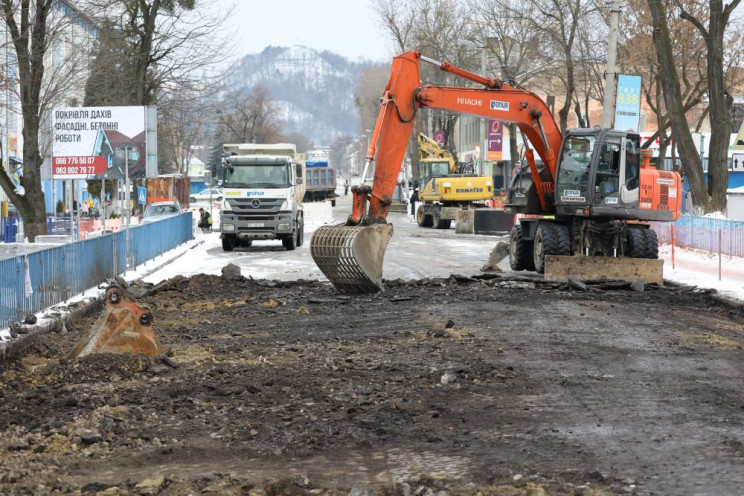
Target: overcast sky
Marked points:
346	27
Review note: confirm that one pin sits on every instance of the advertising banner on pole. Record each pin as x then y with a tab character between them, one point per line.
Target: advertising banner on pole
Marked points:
440	137
85	141
495	140
628	103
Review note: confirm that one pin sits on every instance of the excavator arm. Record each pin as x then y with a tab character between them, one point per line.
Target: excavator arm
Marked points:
351	258
429	148
403	96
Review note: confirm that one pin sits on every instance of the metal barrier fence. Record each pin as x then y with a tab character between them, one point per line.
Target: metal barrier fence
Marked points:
704	233
32	282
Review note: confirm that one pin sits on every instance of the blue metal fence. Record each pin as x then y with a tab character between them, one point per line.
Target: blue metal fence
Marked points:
704	233
32	282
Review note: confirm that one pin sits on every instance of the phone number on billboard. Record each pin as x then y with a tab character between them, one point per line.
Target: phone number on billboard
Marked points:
87	171
74	160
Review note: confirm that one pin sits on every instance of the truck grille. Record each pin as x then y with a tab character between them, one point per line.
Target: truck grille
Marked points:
255	208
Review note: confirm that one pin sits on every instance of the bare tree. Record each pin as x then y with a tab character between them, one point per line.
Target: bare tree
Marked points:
638	55
440	29
32	30
251	117
718	15
512	46
368	91
169	43
562	25
673	100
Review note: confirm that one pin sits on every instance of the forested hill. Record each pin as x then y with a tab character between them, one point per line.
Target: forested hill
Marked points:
313	90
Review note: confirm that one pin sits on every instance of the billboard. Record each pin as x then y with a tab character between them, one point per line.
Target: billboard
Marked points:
98	142
628	103
495	140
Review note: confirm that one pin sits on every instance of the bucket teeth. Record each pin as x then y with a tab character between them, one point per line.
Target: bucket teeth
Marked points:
123	327
351	257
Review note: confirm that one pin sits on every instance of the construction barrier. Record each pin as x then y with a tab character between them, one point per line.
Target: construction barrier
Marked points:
35	281
704	233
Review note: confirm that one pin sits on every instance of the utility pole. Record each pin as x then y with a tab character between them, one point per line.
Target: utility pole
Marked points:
484	121
609	88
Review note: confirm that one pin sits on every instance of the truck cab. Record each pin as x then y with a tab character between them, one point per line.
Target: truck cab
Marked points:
263	189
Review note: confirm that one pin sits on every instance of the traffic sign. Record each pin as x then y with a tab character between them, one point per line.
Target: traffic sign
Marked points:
141	195
737	161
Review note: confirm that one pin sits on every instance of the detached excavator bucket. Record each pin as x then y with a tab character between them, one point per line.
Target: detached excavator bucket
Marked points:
351	256
123	327
581	268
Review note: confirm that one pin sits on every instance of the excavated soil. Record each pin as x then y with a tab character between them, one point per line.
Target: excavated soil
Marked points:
457	386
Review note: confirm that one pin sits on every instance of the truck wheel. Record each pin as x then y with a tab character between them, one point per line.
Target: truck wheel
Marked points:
290	243
546	243
519	249
651	242
192	200
422	219
301	233
228	243
637	243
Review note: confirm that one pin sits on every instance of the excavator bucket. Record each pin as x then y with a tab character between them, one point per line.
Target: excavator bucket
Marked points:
581	268
123	327
351	256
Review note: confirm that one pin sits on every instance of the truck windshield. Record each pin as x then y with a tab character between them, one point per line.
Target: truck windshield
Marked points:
257	176
573	170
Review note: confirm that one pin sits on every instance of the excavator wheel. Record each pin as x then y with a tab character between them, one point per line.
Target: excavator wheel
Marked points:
546	243
437	222
351	257
651	243
519	250
422	219
563	236
123	327
636	242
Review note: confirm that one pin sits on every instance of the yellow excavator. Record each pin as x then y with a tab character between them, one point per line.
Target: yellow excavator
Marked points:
445	189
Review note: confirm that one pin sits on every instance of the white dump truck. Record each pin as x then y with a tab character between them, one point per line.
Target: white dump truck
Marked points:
263	189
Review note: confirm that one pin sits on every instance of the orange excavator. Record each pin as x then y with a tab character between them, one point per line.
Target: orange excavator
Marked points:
585	200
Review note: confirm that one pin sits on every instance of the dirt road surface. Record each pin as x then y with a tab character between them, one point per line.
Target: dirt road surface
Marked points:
439	386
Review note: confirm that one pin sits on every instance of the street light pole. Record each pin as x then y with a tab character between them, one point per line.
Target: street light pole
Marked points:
609	87
484	121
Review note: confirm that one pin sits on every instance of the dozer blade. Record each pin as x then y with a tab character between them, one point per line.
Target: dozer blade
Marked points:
581	268
351	256
123	327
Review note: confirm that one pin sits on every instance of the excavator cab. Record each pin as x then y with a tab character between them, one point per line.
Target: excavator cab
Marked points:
599	173
430	169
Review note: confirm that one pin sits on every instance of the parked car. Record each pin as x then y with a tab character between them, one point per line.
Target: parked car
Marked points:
160	210
204	195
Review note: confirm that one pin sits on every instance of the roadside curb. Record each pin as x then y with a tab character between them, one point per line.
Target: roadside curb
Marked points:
58	323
